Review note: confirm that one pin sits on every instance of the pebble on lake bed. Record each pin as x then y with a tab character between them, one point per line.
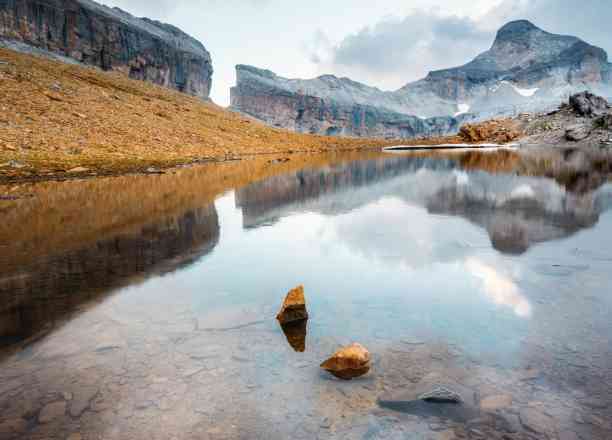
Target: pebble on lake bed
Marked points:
348	362
294	307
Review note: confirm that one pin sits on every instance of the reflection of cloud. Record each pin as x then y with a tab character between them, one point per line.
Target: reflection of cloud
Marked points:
393	231
499	288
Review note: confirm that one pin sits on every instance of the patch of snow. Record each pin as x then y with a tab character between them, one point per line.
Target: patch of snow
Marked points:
463	108
527	93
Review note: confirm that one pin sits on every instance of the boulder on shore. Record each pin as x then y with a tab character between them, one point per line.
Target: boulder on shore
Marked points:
294	307
576	133
588	104
348	362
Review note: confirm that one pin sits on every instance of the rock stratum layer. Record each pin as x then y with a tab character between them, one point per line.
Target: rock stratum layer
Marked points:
108	38
526	69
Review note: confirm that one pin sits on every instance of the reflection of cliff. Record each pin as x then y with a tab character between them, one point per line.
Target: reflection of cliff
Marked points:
516	211
266	201
48	289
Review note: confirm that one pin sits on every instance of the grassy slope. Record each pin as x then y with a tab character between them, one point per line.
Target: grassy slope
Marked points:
54	117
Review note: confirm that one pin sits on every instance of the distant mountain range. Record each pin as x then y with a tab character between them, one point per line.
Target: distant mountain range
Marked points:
526	69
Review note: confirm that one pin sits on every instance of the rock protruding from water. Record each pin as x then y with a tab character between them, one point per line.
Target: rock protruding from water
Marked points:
294	307
348	362
588	104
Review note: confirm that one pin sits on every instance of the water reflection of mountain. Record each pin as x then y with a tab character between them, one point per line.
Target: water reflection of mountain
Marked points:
267	201
43	292
516	211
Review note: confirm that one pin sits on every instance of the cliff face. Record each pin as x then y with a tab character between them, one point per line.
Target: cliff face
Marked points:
110	39
329	105
526	69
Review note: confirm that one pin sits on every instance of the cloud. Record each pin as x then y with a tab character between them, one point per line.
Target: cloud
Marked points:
395	51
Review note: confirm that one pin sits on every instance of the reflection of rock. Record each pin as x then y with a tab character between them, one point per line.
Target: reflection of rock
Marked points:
54	286
296	334
348	362
294	307
435	395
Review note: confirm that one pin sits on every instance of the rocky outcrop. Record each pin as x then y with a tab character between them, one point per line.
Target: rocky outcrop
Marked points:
587	104
108	38
526	69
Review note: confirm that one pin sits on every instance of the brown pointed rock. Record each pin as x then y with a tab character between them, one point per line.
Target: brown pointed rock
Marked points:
348	362
294	307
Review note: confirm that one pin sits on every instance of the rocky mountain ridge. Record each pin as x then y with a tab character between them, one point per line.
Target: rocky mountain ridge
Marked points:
86	32
526	69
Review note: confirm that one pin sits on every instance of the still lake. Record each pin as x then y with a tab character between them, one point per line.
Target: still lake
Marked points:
144	306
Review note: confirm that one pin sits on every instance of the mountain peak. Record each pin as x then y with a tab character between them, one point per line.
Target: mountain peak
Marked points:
515	30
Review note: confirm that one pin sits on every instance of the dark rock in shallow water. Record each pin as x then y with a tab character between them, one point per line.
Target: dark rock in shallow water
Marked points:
441	394
435	395
108	38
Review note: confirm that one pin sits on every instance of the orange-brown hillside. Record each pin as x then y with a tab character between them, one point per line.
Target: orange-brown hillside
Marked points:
56	118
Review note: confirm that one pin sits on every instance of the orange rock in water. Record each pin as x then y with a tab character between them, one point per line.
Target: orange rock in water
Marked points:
294	307
348	362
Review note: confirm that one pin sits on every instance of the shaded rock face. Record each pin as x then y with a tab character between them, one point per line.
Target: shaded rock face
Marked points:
329	106
587	104
110	39
526	69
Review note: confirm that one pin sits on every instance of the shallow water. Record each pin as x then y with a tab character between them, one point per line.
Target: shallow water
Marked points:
142	314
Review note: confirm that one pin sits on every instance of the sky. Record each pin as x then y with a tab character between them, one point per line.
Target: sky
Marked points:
383	43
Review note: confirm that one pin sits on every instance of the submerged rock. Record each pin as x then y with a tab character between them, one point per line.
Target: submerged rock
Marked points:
294	307
441	394
348	362
295	332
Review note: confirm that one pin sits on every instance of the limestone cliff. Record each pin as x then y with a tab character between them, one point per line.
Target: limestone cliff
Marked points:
329	105
108	38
